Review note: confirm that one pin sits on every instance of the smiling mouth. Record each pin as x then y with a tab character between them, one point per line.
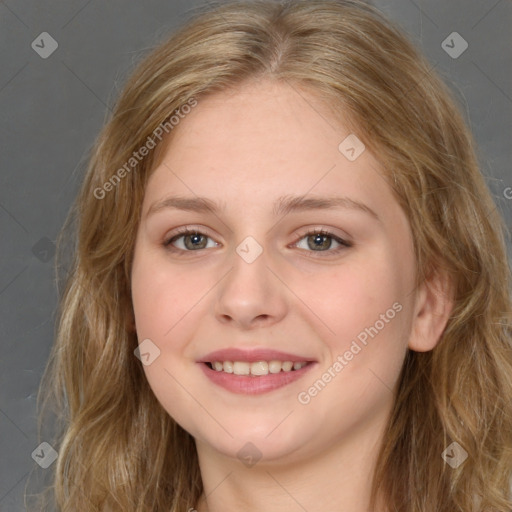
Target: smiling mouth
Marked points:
257	368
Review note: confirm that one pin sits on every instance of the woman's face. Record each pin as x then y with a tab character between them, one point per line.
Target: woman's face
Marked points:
272	166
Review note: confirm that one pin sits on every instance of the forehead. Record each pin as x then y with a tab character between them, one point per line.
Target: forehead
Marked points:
261	141
258	115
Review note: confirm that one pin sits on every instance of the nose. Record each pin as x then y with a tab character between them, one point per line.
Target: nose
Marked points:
251	294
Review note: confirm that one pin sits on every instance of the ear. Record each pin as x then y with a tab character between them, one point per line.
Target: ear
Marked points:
434	304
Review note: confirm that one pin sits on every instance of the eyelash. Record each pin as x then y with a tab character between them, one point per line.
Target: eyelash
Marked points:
187	231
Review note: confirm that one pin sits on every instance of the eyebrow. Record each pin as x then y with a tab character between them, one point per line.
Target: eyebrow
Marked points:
283	205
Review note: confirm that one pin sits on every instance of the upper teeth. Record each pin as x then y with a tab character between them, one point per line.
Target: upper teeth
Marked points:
257	368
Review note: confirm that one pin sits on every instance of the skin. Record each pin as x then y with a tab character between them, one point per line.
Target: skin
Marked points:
247	147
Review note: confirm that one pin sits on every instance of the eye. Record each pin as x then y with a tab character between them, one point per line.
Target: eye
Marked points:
193	240
319	240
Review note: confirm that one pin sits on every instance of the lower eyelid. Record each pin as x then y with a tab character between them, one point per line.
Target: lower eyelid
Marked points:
343	244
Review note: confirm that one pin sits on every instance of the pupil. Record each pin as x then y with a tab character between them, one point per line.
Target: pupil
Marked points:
320	241
193	241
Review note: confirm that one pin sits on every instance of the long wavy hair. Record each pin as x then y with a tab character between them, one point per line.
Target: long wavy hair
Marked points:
119	450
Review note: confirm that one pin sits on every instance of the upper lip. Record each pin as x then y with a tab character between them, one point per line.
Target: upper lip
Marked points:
252	356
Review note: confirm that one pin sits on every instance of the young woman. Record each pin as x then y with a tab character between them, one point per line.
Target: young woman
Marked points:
290	289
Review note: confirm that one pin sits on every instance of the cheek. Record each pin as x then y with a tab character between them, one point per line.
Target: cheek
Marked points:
163	295
365	304
364	307
163	301
356	294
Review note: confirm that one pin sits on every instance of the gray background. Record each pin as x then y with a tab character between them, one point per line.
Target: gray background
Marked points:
52	110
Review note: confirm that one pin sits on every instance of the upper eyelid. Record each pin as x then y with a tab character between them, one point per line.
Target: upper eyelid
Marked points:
189	230
186	230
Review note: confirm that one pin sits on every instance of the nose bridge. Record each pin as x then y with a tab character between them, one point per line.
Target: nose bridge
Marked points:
249	266
250	250
250	291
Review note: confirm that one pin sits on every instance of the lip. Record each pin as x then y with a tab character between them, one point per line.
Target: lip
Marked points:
253	355
247	385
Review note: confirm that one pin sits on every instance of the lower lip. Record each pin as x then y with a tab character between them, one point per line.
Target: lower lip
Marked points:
247	385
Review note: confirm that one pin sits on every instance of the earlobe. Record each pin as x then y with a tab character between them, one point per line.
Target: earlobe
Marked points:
434	304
